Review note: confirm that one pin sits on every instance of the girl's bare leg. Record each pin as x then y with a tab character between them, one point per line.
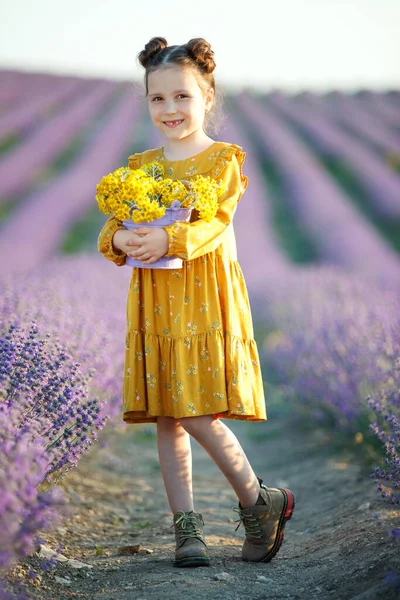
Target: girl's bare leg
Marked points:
175	455
225	450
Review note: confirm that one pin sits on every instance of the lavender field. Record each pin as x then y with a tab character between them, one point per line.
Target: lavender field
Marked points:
318	234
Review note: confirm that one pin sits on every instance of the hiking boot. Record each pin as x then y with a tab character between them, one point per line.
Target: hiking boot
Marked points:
191	549
264	523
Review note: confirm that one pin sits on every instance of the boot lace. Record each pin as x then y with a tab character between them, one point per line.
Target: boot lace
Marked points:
188	526
250	522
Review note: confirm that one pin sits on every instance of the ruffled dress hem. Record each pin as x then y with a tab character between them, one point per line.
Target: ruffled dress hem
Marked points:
213	372
142	417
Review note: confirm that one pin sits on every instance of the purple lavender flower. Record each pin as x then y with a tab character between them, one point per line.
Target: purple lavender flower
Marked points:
47	422
334	340
387	429
24	510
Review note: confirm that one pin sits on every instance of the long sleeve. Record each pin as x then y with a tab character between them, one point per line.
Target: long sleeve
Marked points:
105	245
191	240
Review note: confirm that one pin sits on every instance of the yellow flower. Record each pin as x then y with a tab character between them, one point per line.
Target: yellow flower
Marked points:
205	193
144	194
171	190
154	169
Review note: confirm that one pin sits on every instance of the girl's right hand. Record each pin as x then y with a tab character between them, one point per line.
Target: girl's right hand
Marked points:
126	240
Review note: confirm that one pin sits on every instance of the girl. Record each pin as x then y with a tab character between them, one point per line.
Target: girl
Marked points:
191	358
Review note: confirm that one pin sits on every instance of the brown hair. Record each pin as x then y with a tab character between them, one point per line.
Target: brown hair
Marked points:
196	54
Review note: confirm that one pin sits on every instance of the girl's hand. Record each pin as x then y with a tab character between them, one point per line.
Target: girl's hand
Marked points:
153	244
124	239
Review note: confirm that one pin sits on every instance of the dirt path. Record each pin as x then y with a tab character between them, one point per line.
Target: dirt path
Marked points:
336	545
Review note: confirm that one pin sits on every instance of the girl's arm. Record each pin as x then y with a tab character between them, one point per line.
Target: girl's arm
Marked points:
105	239
115	242
127	241
191	240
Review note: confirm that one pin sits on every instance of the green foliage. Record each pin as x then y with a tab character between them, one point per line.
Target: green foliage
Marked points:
290	234
344	176
67	155
5	210
82	236
292	237
8	143
142	524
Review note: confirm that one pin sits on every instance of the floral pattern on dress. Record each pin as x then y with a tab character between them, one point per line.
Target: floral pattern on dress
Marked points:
191	171
189	344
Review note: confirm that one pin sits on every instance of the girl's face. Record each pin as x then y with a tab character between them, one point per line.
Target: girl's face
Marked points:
177	104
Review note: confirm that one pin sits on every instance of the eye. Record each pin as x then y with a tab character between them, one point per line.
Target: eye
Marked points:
183	96
156	98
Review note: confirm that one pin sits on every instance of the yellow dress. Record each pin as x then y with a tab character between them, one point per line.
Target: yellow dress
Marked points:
190	347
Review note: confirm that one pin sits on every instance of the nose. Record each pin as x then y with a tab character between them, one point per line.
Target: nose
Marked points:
170	107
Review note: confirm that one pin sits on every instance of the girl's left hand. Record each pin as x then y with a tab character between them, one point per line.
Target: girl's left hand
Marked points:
153	245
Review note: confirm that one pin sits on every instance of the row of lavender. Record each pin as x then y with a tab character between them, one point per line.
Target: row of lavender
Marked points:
333	342
346	130
52	117
343	236
73	101
334	335
63	196
61	355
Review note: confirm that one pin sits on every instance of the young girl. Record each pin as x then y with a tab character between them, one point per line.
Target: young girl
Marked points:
191	358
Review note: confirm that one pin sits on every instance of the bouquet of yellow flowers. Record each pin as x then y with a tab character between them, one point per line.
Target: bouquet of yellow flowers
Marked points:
145	194
146	197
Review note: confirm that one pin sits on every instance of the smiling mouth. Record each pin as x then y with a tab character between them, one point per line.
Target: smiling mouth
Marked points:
173	123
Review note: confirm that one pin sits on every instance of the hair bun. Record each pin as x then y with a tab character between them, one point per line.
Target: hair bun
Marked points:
200	51
153	47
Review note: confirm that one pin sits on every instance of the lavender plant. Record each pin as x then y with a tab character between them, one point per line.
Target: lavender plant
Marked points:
332	336
387	428
47	141
47	422
379	181
50	94
341	234
24	511
45	385
38	242
80	300
50	408
334	341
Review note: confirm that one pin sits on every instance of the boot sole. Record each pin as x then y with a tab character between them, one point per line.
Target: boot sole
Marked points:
193	561
286	515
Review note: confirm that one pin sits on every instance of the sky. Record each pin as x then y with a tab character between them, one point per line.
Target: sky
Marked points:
292	45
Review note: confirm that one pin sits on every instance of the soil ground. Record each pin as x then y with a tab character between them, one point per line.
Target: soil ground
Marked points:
337	544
